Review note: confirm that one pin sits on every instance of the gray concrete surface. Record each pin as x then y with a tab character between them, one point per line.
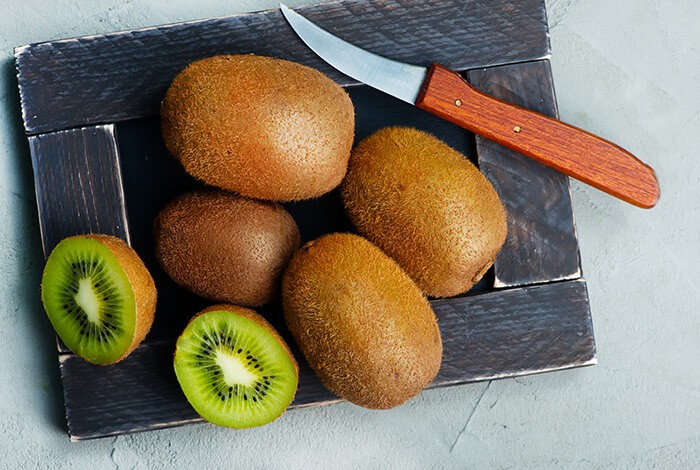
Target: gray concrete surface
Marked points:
626	69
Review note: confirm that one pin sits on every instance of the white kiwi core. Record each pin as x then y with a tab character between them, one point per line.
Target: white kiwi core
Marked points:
86	298
235	372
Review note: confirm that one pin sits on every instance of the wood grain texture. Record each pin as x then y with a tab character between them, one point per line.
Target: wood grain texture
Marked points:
487	336
542	245
78	183
568	149
120	76
515	332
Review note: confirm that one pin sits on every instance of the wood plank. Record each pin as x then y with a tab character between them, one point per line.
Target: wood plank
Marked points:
120	76
542	245
78	184
488	336
515	332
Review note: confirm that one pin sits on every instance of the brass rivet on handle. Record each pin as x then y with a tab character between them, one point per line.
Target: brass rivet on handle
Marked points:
516	129
458	102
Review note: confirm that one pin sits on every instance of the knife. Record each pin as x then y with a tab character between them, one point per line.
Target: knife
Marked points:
443	92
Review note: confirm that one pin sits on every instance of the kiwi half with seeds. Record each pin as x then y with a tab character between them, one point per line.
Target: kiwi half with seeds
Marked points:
99	297
234	368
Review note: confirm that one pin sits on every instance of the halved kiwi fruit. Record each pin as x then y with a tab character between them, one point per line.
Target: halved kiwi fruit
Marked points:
234	368
99	297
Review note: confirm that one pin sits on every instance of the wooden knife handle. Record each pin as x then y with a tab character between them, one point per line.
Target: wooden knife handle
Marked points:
570	150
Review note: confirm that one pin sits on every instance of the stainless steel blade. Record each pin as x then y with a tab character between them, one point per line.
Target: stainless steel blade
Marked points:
395	78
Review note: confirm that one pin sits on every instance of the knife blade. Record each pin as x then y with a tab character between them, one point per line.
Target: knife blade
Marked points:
443	92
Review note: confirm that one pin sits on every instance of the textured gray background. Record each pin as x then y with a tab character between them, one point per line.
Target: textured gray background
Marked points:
625	69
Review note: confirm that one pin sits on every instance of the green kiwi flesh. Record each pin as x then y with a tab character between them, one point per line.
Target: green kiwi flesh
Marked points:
234	368
89	300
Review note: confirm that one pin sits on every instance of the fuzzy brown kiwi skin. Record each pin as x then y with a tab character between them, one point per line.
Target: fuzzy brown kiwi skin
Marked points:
427	206
142	284
225	247
362	324
262	127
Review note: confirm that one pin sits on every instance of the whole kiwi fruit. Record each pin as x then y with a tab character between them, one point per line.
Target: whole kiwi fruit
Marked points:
265	128
99	297
225	247
234	368
427	206
363	325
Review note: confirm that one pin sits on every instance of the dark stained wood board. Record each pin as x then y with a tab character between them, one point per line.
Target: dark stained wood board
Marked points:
78	184
120	76
542	245
79	187
483	336
86	81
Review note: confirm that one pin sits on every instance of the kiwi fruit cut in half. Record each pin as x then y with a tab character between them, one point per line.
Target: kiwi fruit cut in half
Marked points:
259	126
234	368
427	206
99	297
